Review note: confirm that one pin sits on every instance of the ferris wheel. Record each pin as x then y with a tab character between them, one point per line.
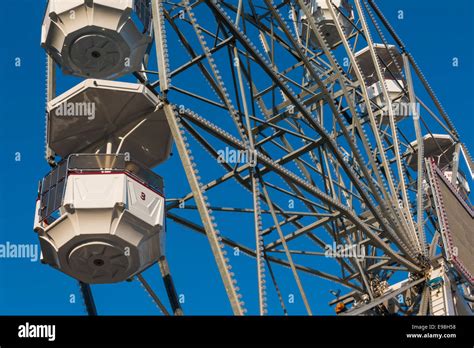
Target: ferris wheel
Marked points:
308	135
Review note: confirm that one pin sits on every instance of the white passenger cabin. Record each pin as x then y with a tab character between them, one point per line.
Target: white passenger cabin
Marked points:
323	18
391	62
97	112
100	218
442	147
96	38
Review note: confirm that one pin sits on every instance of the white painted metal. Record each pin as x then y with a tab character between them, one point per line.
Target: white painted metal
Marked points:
102	214
110	228
322	15
94	38
441	147
393	81
88	116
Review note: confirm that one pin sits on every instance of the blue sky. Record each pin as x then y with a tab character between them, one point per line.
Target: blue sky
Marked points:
432	31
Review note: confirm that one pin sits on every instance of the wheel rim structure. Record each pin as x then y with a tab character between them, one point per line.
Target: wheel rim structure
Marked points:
289	156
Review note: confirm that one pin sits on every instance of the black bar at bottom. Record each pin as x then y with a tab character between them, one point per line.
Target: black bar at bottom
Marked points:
290	331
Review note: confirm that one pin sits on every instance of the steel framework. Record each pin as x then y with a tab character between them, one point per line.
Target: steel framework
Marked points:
328	162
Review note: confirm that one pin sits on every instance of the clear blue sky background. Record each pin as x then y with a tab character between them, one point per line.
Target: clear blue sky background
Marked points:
433	31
